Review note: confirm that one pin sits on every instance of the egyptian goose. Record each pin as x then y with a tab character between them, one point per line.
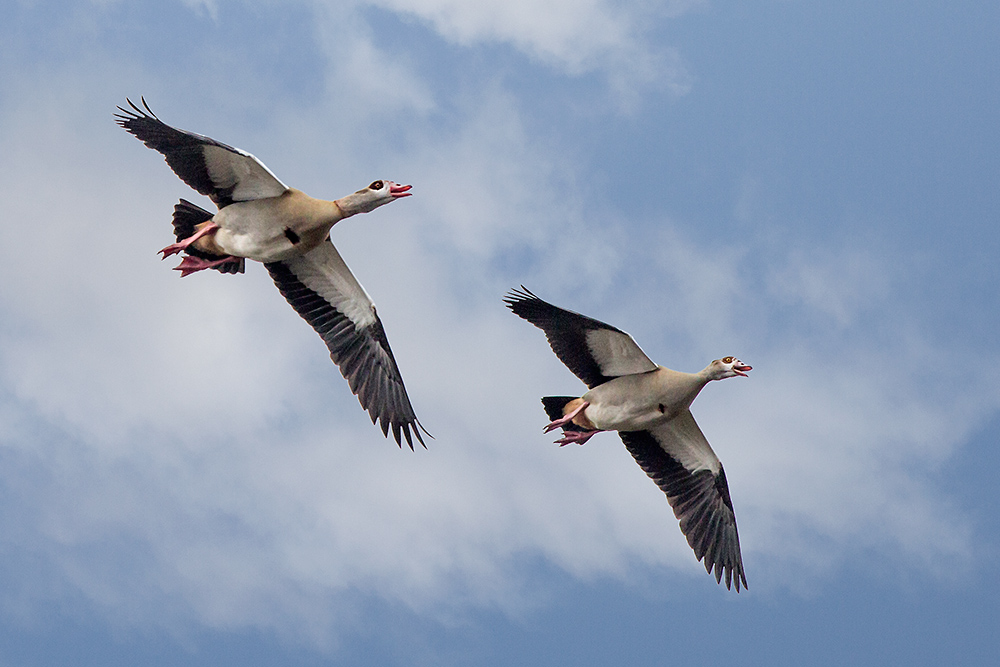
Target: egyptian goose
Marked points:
649	407
260	218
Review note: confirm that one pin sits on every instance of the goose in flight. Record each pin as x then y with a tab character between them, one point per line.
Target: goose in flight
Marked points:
261	218
649	407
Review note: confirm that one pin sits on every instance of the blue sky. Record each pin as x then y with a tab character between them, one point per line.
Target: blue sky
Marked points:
185	478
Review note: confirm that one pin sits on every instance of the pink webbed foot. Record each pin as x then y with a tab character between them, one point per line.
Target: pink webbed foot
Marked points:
174	248
579	437
190	264
563	421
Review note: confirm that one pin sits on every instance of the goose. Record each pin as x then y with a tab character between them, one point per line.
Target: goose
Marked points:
649	406
262	219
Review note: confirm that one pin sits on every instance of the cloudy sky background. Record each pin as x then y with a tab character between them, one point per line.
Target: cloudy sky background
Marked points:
186	479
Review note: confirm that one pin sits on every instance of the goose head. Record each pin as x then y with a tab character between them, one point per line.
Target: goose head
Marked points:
727	367
368	199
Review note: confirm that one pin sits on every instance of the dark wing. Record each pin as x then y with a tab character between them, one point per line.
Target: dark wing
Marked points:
596	352
224	173
679	459
326	294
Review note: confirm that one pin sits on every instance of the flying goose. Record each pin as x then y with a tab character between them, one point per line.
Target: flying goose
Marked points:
261	218
649	407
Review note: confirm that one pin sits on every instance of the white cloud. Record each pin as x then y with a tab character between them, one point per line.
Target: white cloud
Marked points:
209	7
575	37
569	33
367	84
836	284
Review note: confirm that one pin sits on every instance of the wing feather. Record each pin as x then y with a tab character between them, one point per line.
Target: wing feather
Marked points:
322	289
221	172
596	352
679	459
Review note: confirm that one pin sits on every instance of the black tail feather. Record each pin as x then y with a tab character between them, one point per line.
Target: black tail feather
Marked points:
554	405
554	409
187	217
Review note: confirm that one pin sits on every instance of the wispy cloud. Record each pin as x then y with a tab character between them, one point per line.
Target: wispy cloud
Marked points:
575	38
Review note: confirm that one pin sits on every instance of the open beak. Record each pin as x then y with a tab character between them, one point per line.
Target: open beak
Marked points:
741	370
398	191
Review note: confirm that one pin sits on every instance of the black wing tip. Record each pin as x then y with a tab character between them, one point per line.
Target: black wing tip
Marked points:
356	353
723	559
528	306
737	577
517	296
405	429
135	113
733	572
713	536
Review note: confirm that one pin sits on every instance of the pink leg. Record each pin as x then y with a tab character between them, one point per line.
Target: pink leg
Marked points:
579	437
174	248
190	264
565	420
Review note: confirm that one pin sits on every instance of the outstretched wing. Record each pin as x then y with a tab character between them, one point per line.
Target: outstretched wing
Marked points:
596	352
679	459
322	289
224	173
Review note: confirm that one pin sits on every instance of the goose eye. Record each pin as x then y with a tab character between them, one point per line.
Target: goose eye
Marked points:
727	360
377	185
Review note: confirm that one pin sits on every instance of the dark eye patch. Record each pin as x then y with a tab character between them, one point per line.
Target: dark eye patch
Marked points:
377	185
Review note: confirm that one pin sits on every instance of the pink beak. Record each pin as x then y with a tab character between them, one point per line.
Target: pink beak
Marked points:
398	191
742	370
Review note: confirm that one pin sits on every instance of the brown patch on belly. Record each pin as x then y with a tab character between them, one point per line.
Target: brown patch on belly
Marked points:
581	419
207	242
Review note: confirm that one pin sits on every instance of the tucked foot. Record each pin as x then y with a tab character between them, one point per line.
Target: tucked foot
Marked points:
567	419
579	437
174	248
191	264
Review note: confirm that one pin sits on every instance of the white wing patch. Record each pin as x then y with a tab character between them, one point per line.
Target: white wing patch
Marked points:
682	439
240	170
617	354
324	271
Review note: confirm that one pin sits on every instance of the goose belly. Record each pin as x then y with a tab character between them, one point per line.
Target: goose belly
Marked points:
613	417
246	233
626	404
